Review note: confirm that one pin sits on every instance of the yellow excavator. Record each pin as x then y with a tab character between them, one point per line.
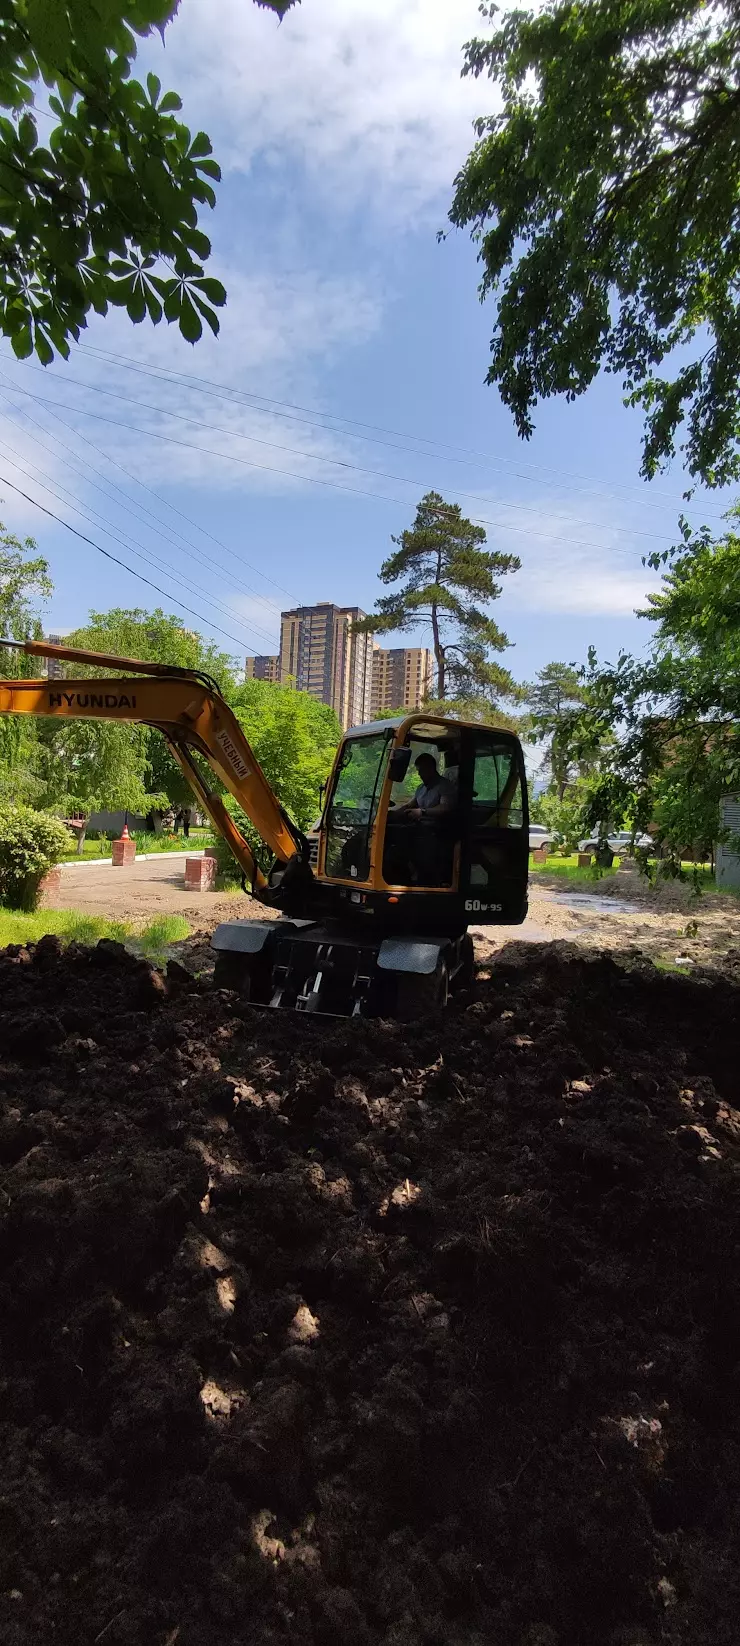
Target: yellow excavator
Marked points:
424	831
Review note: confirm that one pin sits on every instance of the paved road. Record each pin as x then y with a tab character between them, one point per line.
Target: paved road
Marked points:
148	888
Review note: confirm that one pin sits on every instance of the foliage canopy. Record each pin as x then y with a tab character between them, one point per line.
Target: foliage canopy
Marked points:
104	209
294	737
662	732
24	585
91	764
604	200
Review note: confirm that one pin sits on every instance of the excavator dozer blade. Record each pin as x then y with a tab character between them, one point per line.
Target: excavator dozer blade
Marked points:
304	966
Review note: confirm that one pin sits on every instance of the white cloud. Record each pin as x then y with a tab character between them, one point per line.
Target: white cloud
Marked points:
19	463
582	587
366	94
598	573
272	334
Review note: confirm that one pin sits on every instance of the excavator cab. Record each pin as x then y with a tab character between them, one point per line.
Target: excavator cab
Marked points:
462	859
381	927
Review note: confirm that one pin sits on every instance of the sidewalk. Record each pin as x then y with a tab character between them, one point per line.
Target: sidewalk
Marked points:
154	884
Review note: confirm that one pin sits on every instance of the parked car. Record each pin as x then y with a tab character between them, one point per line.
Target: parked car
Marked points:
620	842
540	836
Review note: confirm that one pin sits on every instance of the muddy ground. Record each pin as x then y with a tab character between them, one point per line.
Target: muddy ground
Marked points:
663	922
321	1332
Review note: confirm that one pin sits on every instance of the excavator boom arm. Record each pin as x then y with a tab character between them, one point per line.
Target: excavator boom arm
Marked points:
194	719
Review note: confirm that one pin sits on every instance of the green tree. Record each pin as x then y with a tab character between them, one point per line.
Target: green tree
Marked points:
295	739
101	764
603	199
663	730
697	613
24	581
552	697
564	817
447	579
24	584
105	210
89	765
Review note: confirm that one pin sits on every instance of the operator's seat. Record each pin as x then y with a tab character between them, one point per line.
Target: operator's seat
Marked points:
421	852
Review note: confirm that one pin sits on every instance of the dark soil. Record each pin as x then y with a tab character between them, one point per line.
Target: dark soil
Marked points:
321	1332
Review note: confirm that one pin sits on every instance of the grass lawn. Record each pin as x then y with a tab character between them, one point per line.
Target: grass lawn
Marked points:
152	941
144	843
699	876
567	869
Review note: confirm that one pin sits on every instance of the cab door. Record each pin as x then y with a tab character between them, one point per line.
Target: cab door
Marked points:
495	844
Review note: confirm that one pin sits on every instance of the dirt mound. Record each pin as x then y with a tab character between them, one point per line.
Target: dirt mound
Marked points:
325	1333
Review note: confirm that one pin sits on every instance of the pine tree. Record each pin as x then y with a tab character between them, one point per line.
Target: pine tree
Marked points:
447	579
553	697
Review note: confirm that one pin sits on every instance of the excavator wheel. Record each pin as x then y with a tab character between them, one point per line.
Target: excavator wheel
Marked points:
466	974
419	994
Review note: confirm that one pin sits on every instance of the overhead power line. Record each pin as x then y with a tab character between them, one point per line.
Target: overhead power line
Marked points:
292	474
85	539
198	554
289	411
139	551
161	524
38	401
336	462
137	481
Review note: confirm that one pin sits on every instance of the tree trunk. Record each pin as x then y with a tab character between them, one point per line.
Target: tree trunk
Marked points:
439	651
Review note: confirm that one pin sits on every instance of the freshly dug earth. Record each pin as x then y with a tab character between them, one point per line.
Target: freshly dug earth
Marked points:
321	1332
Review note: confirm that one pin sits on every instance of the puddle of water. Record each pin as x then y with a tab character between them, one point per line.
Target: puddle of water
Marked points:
528	933
592	902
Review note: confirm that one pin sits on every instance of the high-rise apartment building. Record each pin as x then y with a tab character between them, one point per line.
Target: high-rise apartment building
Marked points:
319	651
264	668
402	677
54	665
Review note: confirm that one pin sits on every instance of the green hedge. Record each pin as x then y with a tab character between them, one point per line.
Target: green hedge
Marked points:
31	843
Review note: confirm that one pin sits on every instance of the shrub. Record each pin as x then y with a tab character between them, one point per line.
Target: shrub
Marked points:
30	844
228	872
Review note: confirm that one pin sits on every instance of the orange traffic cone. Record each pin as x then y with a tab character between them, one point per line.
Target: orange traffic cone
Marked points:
124	832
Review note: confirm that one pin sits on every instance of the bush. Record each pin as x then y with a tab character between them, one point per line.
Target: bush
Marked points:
30	844
228	872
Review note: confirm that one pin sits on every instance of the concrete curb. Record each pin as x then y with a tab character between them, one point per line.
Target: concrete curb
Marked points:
146	857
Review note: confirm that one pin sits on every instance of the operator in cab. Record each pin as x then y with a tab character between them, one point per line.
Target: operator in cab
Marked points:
430	808
435	793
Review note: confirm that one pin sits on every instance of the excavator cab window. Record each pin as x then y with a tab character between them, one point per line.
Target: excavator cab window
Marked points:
498	840
353	808
421	852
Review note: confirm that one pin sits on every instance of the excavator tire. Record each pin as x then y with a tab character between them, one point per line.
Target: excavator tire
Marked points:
466	974
419	994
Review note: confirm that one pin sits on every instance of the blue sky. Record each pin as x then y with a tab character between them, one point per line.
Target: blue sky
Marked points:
339	134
